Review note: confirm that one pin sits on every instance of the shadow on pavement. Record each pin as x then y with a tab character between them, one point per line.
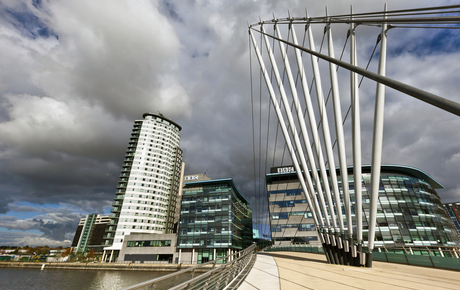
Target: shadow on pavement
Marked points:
278	255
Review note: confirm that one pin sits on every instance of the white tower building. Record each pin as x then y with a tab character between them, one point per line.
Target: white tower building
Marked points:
149	182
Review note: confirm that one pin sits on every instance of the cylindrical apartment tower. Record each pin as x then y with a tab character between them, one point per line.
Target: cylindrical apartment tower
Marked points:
146	194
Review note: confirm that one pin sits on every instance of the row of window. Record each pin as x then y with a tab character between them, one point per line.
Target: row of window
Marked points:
286	215
287	192
287	203
160	243
299	227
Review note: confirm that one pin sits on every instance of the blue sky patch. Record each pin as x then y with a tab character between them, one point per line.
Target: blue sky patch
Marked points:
29	24
441	41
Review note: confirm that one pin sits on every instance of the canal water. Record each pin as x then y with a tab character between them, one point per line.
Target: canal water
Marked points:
36	279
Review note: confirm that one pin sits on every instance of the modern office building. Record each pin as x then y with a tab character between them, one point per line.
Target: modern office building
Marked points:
149	183
90	232
410	212
453	210
215	220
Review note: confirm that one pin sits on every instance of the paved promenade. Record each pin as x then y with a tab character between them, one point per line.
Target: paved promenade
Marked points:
293	270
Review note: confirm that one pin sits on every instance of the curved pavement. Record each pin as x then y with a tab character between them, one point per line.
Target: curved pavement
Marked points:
295	270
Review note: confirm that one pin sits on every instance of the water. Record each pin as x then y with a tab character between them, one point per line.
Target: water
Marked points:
36	279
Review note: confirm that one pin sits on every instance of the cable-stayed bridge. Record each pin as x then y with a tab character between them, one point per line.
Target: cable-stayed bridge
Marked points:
316	97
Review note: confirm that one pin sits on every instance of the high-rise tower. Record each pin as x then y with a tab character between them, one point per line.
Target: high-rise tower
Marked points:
149	183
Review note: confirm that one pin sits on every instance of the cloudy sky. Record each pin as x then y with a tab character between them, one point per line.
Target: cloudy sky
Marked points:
74	75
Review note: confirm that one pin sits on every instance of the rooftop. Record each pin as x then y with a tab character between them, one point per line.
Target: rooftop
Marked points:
385	169
229	181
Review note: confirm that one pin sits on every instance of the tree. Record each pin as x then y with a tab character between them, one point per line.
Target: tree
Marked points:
66	252
91	254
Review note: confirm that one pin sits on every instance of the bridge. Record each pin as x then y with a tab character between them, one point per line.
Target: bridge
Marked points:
294	270
300	267
291	73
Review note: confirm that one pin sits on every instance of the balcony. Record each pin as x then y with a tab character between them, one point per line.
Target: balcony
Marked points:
107	237
115	210
120	197
117	203
127	164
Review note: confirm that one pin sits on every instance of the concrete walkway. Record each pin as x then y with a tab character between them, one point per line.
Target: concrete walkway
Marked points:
311	271
264	274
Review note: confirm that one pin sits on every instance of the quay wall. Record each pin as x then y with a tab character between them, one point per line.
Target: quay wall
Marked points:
99	266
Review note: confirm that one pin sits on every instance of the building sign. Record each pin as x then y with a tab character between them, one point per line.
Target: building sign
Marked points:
191	177
285	169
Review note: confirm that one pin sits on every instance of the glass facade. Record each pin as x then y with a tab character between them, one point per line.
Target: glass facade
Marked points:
409	211
290	218
214	217
453	210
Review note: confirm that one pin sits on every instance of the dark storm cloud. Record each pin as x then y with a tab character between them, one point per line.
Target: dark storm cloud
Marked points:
67	105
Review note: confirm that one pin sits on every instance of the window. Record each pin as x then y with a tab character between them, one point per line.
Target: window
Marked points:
155	243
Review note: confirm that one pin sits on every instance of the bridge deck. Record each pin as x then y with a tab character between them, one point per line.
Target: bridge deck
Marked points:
311	271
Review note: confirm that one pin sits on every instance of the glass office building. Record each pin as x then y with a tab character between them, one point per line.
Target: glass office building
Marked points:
453	210
410	212
215	220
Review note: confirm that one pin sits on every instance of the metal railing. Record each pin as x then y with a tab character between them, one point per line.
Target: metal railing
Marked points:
216	276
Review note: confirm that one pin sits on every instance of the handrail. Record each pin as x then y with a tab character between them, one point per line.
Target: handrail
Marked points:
235	264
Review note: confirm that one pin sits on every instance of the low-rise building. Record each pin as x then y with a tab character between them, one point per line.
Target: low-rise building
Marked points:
90	232
215	220
149	248
409	211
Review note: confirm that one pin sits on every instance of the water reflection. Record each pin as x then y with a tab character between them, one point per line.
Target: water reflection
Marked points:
37	279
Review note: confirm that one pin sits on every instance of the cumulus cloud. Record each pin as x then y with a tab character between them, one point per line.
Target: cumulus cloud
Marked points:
32	240
75	75
54	226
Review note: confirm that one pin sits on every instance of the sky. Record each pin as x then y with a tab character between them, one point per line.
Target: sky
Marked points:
74	75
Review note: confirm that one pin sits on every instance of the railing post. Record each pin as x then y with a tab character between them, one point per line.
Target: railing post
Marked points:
205	287
220	278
